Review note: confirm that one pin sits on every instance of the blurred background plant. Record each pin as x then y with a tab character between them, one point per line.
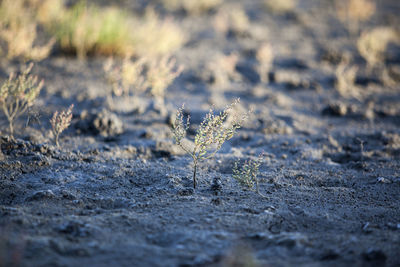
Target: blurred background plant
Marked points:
160	74
212	133
231	20
372	45
134	77
85	29
353	12
126	79
346	75
223	69
89	29
265	58
18	29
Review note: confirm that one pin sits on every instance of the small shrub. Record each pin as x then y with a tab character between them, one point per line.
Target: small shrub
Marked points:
372	44
17	94
60	122
210	136
18	29
247	174
280	7
352	12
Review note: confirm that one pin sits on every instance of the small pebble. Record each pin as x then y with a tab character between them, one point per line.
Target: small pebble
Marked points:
383	180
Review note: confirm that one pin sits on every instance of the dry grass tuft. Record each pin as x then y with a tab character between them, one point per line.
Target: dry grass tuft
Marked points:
18	29
160	74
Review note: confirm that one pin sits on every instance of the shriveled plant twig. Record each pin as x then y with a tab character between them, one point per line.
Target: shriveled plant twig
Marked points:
60	122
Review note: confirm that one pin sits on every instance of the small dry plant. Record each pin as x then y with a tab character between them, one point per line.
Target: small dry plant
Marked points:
135	77
345	80
210	136
231	18
160	74
280	7
372	45
265	58
17	94
156	37
126	79
18	30
223	68
61	121
352	12
192	7
247	174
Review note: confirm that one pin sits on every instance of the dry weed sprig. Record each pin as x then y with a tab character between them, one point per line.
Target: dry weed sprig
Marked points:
18	93
247	174
60	122
210	136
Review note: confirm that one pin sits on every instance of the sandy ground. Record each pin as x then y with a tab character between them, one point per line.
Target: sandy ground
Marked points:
120	194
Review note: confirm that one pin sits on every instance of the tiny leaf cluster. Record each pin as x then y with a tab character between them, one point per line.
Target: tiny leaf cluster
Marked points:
247	174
